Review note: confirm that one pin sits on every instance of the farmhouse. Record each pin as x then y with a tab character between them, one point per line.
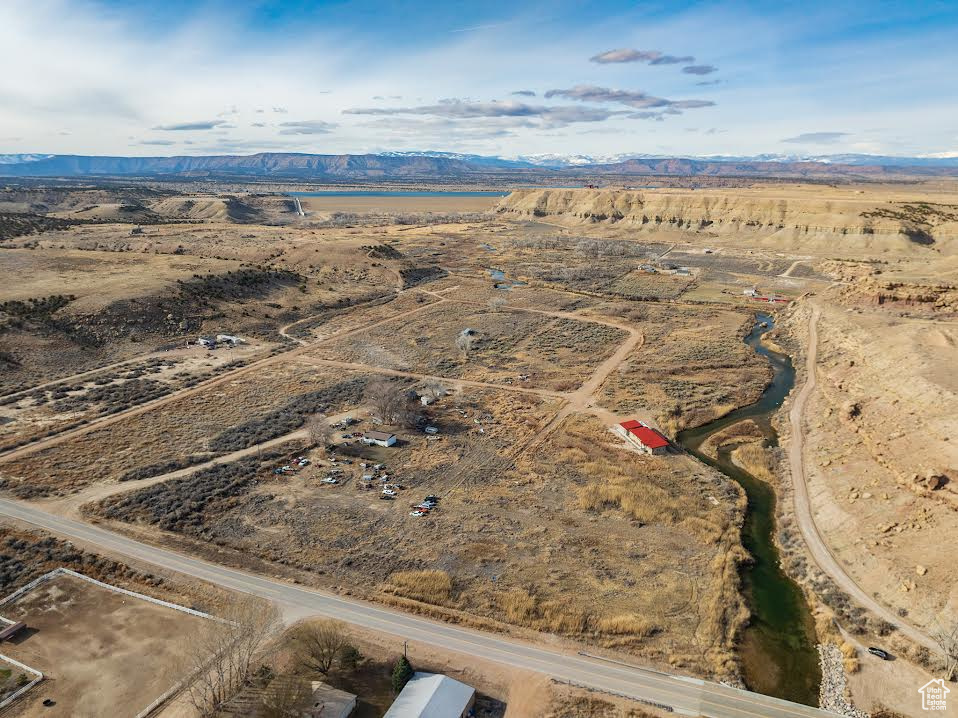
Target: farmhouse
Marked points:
379	438
642	437
432	695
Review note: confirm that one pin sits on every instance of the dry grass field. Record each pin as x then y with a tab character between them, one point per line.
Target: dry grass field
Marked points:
555	542
233	415
692	368
505	344
48	410
92	295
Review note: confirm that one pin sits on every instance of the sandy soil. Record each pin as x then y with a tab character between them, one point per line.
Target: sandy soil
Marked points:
103	653
867	472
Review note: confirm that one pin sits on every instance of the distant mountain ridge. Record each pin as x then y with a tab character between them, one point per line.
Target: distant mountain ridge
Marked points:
454	166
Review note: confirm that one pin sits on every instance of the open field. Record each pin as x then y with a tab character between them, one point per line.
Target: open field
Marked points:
551	352
187	430
698	369
95	294
49	409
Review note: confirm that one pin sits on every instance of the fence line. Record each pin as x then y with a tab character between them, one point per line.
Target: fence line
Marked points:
63	571
37	677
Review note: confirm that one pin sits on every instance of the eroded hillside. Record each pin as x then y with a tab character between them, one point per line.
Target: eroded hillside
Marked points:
810	217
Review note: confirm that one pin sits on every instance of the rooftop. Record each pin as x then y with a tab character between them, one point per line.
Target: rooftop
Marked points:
647	435
377	435
431	695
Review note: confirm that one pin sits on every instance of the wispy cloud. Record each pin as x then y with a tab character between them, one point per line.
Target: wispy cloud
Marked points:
816	138
653	57
307	127
548	115
524	93
280	110
699	69
631	98
186	126
488	26
157	142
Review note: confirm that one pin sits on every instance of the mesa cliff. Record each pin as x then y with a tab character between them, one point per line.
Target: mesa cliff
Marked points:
872	217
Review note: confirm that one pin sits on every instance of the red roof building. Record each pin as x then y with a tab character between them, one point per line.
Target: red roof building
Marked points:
645	437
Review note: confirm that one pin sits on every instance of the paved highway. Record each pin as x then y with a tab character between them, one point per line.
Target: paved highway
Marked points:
683	695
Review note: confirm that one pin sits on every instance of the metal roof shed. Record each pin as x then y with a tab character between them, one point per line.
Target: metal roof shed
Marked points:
432	695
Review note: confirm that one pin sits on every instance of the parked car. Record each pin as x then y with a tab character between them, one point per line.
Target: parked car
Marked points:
418	513
330	480
386	497
389	492
884	655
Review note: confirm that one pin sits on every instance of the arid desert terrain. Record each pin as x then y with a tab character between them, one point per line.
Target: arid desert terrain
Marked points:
206	373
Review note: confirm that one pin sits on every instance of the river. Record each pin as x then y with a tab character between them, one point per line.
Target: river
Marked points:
778	647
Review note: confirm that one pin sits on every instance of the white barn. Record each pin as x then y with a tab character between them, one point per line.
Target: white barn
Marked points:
379	438
432	695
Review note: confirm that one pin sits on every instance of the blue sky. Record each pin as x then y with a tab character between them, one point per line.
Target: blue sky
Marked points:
505	78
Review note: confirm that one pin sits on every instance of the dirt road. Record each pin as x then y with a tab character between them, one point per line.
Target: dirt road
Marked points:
803	511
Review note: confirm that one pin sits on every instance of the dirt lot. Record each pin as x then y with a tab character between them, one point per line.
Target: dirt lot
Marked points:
103	653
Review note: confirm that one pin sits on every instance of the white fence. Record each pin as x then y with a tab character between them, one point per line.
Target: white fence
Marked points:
38	676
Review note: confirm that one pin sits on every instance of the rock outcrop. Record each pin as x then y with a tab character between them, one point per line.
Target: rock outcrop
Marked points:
761	211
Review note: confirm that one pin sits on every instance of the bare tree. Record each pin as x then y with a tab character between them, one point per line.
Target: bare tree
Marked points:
497	303
317	644
285	697
218	656
947	640
385	399
466	342
434	390
319	431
